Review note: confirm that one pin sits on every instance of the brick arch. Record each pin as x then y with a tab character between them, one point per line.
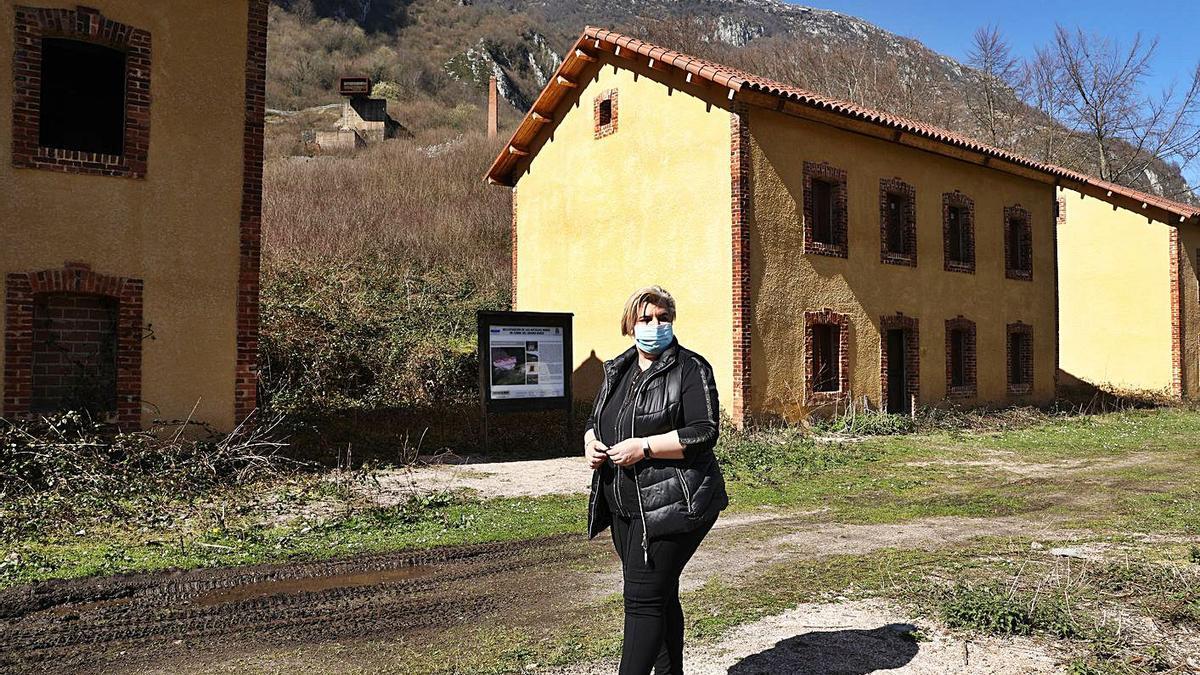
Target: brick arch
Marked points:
87	25
21	291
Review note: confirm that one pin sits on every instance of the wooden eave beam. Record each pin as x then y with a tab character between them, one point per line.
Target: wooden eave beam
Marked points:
584	56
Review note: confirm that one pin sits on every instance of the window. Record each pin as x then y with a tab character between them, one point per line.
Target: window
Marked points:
1020	358
960	358
824	210
605	109
825	357
83	97
826	343
958	232
1018	244
897	222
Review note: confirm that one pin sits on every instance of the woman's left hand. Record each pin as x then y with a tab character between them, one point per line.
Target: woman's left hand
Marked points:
627	452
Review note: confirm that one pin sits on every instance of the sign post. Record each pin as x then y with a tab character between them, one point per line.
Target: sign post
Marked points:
524	363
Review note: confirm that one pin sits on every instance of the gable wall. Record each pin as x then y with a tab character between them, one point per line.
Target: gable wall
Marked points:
597	218
1115	296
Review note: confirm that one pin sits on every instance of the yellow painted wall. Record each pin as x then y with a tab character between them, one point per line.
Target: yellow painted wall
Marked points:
598	218
1115	296
785	282
178	228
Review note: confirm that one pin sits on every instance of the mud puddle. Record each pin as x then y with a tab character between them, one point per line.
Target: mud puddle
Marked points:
310	585
96	624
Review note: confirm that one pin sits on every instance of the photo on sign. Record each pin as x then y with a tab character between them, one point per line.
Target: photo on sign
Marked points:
508	365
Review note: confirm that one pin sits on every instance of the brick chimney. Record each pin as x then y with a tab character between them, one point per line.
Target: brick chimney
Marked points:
492	107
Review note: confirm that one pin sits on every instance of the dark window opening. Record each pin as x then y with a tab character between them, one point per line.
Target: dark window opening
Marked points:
958	358
82	98
74	353
826	357
1018	355
1019	253
896	206
957	234
822	196
606	112
898	395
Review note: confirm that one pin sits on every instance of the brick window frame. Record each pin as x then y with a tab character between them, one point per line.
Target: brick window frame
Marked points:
21	291
959	200
837	178
601	130
912	353
1060	211
1011	213
907	257
826	317
86	25
969	387
1026	331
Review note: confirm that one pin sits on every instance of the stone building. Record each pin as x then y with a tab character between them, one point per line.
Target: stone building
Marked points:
131	208
820	252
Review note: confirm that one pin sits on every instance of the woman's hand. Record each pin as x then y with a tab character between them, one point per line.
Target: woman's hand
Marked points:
627	452
594	452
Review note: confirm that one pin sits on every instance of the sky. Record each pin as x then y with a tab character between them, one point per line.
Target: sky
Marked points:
946	27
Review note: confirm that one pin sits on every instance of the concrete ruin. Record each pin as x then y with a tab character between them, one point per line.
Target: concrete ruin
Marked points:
364	119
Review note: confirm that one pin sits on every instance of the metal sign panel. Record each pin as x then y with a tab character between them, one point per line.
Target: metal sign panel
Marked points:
525	360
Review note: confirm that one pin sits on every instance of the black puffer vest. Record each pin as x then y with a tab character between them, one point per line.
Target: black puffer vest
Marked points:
674	495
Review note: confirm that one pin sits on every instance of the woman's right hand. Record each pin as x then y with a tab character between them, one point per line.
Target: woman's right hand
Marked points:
594	452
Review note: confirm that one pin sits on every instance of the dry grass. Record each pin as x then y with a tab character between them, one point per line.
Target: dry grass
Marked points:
393	200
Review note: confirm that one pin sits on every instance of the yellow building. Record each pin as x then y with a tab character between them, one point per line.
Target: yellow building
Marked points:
820	253
1129	303
131	199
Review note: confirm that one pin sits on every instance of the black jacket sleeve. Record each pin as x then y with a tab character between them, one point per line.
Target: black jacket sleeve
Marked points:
701	409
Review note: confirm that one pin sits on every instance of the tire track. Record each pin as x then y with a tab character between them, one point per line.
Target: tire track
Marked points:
81	624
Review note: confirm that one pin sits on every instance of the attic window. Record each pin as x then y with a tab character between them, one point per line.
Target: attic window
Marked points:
83	97
605	113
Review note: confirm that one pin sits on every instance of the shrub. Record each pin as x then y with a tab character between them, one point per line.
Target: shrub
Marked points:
999	611
65	468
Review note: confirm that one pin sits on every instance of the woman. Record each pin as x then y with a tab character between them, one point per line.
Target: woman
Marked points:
655	479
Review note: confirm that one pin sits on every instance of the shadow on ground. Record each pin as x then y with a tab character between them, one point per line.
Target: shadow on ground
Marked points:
839	652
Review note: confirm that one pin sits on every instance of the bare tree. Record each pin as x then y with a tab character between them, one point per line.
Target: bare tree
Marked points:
1041	88
991	103
1104	90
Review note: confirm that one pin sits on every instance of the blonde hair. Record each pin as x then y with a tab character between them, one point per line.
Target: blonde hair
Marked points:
654	295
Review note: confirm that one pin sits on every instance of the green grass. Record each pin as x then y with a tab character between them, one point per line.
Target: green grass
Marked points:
882	479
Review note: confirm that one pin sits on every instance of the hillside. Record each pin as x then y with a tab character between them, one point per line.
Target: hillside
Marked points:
440	54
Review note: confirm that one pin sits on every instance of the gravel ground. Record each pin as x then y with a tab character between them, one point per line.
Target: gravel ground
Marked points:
850	638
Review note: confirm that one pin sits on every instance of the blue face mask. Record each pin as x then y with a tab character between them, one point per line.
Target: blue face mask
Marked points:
653	339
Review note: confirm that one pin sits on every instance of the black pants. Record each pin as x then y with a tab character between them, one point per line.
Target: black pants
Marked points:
653	615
